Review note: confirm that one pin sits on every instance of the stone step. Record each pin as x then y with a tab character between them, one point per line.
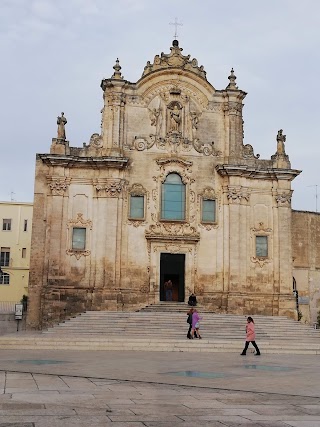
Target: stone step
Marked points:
159	331
79	343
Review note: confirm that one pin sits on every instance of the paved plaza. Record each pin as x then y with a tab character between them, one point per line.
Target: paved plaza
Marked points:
165	389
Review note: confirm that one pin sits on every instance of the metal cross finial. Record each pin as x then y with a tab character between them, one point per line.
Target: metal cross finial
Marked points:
175	23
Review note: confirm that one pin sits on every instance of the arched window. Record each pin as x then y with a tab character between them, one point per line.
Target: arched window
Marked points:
173	198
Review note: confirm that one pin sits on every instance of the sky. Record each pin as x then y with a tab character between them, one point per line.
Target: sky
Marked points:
54	54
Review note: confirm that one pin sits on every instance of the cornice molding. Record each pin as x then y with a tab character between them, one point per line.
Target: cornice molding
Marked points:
257	173
84	162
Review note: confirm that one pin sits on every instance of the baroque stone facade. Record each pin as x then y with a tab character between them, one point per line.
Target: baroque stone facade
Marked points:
107	232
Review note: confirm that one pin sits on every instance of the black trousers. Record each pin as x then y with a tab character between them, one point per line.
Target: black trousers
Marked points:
247	345
189	332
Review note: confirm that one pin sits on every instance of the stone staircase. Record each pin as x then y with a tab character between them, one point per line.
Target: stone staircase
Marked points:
163	327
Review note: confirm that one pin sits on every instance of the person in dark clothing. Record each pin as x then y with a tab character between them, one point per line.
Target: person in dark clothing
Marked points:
192	300
189	320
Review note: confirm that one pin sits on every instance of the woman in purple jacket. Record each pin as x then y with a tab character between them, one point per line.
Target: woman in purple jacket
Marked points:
195	324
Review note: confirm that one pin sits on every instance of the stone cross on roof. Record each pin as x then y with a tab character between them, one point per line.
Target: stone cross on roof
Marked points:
175	23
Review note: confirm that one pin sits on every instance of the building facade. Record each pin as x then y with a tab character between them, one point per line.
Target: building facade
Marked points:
166	191
15	244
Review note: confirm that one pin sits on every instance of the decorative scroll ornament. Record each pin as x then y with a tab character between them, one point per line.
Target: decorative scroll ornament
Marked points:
174	60
80	221
172	230
111	188
96	140
236	194
248	153
58	186
207	149
144	289
284	199
174	142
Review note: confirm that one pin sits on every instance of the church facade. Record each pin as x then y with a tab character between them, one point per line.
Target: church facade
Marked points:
166	191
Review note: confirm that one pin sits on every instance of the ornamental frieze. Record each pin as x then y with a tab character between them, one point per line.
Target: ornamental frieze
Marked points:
173	231
58	186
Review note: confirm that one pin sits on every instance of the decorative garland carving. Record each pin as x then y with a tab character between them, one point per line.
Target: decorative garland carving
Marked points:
110	188
58	186
77	254
260	261
262	228
80	221
284	199
236	194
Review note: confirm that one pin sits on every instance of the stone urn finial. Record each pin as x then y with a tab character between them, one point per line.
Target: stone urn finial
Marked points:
117	73
232	78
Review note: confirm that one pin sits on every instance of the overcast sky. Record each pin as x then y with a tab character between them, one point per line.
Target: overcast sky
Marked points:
54	54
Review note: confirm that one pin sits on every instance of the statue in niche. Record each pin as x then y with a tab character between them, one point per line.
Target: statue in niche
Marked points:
281	139
61	122
175	116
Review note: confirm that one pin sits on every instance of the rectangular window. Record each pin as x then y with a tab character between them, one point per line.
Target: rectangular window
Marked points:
5	257
4	279
6	225
25	225
262	246
24	252
137	207
79	238
208	210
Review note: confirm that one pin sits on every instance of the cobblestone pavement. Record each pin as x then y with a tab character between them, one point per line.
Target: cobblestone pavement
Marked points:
55	388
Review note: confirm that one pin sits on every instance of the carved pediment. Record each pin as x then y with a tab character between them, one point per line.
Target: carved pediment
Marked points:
174	59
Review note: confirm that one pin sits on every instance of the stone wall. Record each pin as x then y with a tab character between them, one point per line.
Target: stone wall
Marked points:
306	262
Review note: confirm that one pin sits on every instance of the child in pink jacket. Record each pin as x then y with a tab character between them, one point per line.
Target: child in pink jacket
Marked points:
250	337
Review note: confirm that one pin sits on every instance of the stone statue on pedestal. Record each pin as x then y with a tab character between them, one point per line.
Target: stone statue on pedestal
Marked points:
61	122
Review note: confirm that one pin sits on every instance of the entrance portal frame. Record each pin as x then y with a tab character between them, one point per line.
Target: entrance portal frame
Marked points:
188	249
